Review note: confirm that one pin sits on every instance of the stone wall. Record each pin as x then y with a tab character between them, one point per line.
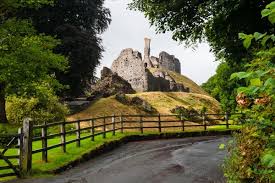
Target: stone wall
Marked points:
169	62
129	65
157	83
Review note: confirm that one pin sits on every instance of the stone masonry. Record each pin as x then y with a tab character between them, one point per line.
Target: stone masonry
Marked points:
133	68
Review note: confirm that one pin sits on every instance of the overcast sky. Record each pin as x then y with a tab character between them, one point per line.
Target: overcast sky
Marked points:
128	29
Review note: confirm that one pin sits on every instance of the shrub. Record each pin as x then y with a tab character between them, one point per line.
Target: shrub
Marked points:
40	110
246	149
6	132
122	98
187	113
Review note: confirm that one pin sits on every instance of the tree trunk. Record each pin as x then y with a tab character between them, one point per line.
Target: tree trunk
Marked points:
3	115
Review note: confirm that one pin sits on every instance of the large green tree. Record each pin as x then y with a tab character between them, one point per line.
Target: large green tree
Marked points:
77	24
26	57
251	156
221	88
216	21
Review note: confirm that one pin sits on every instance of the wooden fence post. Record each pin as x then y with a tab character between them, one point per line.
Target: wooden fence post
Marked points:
78	133
204	122
44	143
141	124
159	121
182	121
93	130
63	136
20	144
227	119
114	125
121	123
26	155
104	127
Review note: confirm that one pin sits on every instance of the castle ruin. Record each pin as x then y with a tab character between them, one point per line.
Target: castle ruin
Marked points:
136	70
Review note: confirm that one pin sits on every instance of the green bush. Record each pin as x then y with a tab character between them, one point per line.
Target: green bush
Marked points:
8	129
187	113
245	152
40	110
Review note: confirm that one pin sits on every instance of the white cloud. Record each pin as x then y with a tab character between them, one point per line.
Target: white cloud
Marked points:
128	29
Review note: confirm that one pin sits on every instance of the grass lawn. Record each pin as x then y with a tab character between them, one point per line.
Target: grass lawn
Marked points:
57	159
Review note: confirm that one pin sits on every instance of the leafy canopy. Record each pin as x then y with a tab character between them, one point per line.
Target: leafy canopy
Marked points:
77	24
27	60
26	57
252	155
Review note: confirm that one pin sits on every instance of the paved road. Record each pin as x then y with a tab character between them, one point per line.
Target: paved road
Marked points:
188	160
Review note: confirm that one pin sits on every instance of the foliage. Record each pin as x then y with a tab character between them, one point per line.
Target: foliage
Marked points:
244	152
187	113
77	24
252	155
14	4
39	109
222	88
8	129
27	59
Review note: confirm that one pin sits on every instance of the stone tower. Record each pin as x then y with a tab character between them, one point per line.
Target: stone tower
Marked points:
146	60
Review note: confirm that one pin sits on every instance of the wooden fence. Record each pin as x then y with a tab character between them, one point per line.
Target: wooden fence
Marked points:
101	126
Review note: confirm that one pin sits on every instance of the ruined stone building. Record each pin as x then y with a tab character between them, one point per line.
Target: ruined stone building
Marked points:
136	70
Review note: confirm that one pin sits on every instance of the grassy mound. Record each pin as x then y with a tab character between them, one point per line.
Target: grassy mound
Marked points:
163	102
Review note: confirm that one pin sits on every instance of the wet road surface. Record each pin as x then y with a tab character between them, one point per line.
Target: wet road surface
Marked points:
187	160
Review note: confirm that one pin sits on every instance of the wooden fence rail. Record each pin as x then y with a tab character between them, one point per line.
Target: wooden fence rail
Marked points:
8	166
101	126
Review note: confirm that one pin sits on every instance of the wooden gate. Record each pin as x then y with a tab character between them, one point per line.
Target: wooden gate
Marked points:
9	156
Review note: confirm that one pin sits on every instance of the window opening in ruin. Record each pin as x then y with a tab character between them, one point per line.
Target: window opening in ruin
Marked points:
145	65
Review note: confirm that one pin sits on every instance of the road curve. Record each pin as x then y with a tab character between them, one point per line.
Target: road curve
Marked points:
187	160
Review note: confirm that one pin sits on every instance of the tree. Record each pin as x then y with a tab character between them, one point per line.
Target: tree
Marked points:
252	153
26	57
222	88
77	24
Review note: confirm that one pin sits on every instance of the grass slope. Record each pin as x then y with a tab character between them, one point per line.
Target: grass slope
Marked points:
163	102
105	106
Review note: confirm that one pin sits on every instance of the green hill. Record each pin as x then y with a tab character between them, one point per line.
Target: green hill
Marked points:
163	102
